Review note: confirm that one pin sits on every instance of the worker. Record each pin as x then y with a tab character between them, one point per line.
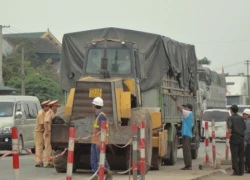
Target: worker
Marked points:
246	117
236	127
47	133
187	132
38	134
97	105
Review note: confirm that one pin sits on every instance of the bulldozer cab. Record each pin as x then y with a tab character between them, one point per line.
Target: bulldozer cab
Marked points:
115	57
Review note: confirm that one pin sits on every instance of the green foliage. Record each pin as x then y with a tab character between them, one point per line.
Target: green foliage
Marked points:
40	80
204	61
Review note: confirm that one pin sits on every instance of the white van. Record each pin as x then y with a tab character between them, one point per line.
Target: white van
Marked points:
20	112
220	116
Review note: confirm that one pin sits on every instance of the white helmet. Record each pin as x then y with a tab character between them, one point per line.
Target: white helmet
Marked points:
98	101
246	111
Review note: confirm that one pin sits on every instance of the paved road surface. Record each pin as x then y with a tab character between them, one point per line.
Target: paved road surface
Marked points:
29	172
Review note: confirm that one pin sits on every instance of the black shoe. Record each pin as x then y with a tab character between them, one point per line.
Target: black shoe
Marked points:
39	165
186	168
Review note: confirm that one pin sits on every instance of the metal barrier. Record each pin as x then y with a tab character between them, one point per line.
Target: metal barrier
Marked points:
142	150
71	146
213	143
206	143
15	152
135	149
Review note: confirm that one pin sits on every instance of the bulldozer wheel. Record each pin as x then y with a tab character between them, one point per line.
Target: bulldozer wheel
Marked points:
156	160
60	162
137	116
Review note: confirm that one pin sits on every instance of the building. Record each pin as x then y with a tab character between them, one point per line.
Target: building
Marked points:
46	45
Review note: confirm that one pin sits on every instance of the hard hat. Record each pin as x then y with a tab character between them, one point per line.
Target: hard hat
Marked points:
54	103
44	103
98	101
246	111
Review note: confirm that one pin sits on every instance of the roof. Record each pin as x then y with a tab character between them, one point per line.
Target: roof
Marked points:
41	45
14	98
26	35
6	88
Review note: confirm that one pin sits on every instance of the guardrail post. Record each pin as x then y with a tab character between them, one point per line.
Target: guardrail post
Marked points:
102	150
135	148
142	150
227	145
71	147
206	143
15	156
213	143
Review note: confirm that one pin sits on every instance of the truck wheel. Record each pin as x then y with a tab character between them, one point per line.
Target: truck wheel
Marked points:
173	152
156	160
194	153
137	116
60	162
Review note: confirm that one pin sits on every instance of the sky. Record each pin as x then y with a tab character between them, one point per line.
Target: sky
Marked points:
219	29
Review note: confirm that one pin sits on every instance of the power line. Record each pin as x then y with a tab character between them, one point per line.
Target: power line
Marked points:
240	62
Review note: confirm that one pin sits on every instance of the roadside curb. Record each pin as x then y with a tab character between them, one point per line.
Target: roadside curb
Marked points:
211	173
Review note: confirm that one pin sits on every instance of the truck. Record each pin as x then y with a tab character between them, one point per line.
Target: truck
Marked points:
211	94
137	74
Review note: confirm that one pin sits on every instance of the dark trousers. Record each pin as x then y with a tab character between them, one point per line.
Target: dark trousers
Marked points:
186	142
247	152
237	153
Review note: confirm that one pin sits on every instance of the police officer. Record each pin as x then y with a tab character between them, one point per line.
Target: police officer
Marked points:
38	133
47	133
236	127
97	105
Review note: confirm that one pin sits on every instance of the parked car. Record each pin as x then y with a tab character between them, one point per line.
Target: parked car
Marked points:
220	116
20	112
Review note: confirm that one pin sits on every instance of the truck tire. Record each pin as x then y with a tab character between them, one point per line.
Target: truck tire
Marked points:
173	152
60	162
156	160
194	153
137	115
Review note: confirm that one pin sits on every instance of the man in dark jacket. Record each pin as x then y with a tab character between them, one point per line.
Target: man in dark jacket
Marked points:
236	127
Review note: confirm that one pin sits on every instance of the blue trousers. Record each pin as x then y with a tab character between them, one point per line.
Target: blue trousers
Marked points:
95	158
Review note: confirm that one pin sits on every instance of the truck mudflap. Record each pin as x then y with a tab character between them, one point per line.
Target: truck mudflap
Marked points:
116	134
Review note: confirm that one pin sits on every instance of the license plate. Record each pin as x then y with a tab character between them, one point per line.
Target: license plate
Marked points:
94	92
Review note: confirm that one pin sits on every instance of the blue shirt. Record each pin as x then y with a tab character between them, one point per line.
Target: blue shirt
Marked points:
187	123
101	118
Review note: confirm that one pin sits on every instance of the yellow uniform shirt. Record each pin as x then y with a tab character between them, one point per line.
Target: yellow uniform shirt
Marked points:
49	115
39	121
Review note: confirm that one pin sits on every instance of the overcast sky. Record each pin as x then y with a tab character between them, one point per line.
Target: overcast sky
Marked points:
219	29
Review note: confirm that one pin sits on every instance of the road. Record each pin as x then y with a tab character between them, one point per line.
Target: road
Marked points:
29	172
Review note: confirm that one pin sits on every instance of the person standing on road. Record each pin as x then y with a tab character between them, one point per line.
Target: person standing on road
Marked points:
246	116
187	132
236	128
38	134
97	105
47	133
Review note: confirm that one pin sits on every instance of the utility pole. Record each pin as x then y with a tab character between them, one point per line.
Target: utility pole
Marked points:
1	53
23	75
248	83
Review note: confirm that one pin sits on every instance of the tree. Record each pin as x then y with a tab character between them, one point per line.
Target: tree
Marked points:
40	81
204	61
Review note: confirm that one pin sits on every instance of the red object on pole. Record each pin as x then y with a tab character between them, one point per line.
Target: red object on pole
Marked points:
71	147
102	150
15	156
206	143
142	150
